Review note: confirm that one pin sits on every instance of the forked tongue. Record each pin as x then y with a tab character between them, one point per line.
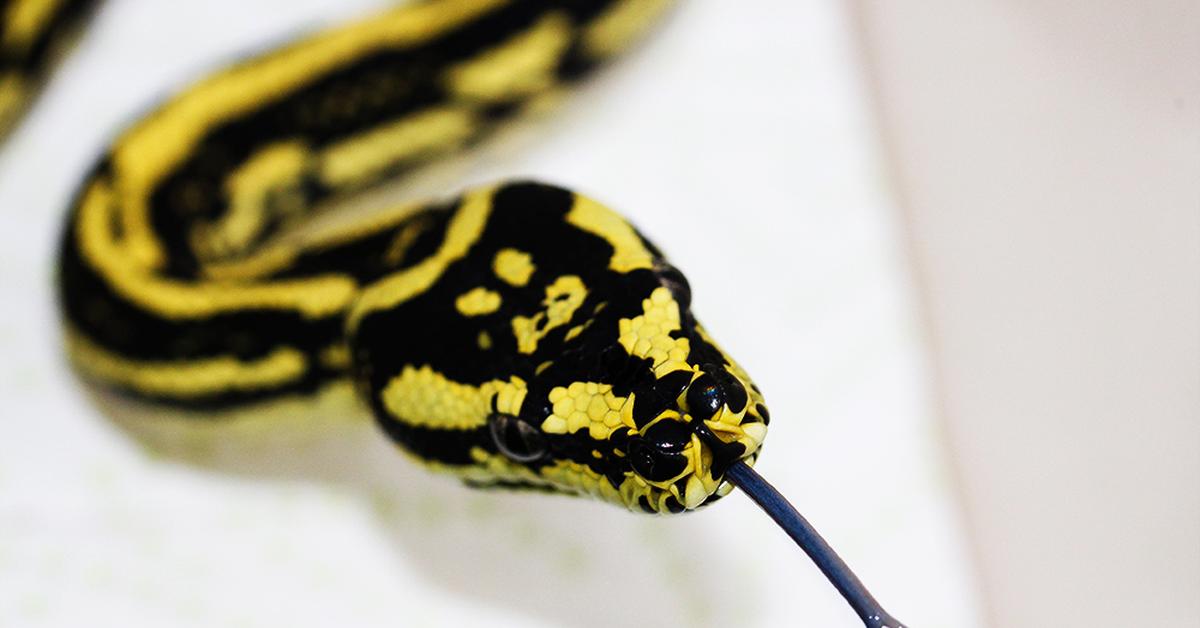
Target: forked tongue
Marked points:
802	532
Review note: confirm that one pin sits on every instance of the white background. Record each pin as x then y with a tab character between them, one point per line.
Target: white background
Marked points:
1048	157
737	139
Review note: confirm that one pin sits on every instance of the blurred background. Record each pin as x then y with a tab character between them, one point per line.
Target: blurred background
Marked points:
1046	157
957	246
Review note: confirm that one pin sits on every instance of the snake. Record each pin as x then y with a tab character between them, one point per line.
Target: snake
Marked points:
517	335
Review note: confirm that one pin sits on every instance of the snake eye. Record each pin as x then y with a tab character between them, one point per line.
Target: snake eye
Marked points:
515	438
704	397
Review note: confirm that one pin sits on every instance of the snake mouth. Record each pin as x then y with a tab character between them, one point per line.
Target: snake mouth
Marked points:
677	463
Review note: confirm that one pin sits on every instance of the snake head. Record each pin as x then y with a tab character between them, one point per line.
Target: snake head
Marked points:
652	421
690	426
559	353
663	447
698	415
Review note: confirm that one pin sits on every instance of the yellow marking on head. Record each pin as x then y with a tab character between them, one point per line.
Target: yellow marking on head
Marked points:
152	149
622	23
316	297
478	301
563	475
425	398
25	20
574	477
191	378
523	65
257	191
365	156
726	423
697	472
484	340
581	401
588	405
567	473
563	297
629	253
465	228
513	267
649	335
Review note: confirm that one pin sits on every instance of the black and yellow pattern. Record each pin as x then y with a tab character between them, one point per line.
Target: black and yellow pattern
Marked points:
520	335
32	32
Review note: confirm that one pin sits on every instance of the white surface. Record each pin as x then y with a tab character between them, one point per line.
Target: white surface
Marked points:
1049	154
736	139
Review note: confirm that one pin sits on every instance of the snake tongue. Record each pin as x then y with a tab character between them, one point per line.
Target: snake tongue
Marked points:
796	526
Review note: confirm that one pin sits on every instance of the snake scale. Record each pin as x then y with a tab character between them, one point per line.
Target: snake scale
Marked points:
519	335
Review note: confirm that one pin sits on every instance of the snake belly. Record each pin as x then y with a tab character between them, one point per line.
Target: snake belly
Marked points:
519	335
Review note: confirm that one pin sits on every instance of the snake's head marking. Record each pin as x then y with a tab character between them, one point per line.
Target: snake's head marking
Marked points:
559	352
652	421
699	413
691	426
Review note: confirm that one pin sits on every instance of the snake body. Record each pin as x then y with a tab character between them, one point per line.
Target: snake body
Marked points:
519	335
32	34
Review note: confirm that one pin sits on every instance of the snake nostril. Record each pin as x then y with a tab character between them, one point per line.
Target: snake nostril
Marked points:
658	455
668	436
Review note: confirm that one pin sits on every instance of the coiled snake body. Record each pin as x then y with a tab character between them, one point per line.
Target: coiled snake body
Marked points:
519	335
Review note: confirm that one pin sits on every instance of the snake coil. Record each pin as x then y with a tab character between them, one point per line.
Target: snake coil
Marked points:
519	335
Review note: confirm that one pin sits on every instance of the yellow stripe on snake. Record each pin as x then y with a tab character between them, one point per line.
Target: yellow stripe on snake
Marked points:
519	335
